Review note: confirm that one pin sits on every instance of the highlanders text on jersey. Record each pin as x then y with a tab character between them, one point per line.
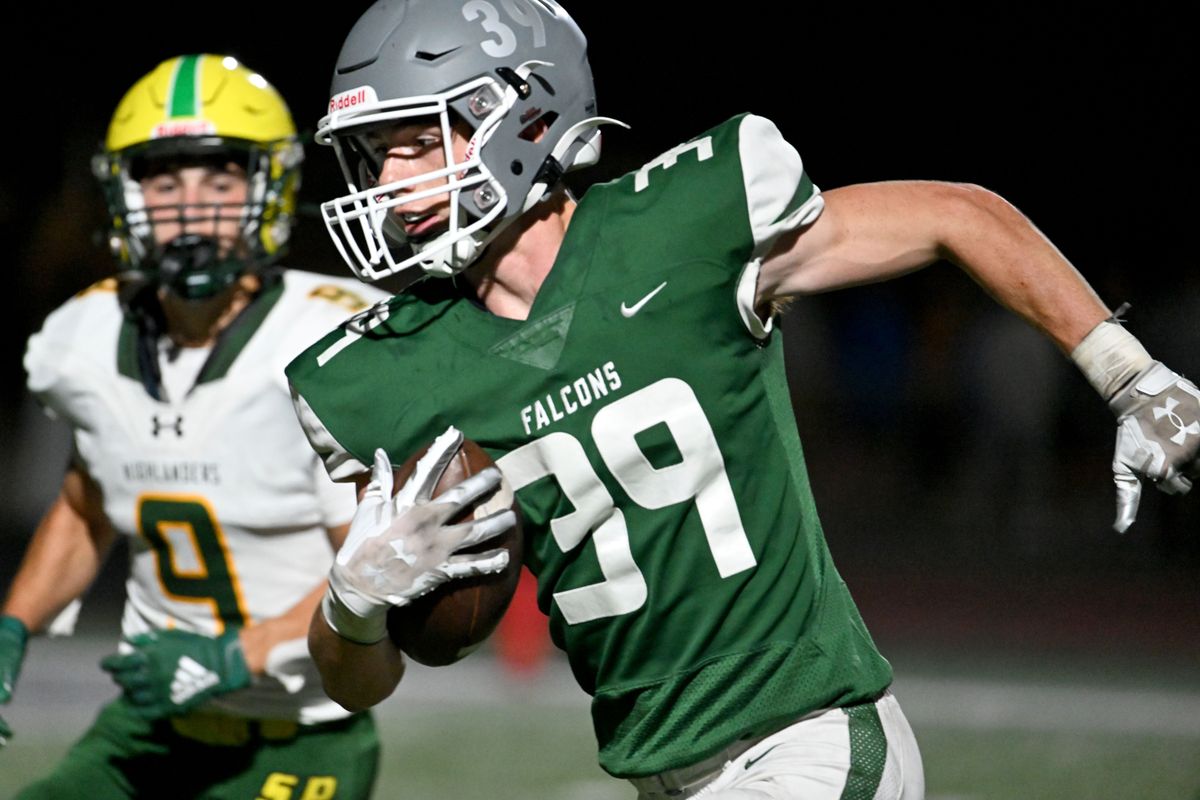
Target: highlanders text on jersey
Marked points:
225	505
642	414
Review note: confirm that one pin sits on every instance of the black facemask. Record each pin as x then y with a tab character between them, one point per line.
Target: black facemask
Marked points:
191	267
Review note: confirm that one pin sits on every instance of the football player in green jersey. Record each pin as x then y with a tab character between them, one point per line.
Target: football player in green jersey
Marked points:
171	378
617	357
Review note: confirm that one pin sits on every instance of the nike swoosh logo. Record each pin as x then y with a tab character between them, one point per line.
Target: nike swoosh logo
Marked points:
629	311
750	762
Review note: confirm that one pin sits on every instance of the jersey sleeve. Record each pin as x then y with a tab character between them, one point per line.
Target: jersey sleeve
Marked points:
735	188
340	463
333	308
779	198
76	341
352	395
722	199
779	195
337	501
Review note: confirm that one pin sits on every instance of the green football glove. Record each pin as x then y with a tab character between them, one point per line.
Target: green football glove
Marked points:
167	673
13	636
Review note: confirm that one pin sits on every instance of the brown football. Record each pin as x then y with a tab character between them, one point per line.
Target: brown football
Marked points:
455	618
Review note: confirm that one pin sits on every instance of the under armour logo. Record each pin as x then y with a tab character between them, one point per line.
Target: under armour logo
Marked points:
1177	421
191	678
177	425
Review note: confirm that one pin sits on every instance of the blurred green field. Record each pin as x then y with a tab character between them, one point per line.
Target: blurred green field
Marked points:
517	754
469	733
990	765
520	752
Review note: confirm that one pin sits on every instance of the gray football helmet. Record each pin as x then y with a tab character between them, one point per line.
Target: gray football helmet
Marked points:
499	67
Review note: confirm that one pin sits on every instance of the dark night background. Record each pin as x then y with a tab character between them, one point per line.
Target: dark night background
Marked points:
961	464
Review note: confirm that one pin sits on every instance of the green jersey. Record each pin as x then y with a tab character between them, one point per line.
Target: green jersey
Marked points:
642	416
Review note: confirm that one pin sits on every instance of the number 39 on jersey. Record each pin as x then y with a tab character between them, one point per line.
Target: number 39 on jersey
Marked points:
698	477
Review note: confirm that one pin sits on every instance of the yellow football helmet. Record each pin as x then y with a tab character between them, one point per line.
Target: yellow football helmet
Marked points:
201	109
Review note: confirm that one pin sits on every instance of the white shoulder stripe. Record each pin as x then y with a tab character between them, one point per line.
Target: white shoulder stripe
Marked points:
772	172
338	462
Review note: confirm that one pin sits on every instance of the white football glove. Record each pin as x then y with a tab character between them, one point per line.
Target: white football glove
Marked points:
400	548
1158	437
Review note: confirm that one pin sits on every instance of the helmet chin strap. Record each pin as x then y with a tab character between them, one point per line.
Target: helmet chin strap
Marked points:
450	259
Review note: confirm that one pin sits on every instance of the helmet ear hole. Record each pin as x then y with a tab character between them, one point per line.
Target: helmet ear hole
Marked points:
534	131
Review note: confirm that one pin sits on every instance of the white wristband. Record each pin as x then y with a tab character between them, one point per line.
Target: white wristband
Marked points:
1110	357
350	626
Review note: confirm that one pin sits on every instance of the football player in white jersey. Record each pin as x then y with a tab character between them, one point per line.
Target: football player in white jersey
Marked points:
171	378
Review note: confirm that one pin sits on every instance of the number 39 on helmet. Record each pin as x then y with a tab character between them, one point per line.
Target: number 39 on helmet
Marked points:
512	73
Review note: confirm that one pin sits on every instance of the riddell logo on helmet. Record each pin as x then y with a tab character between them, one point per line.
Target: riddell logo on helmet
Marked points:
468	154
470	151
190	127
352	98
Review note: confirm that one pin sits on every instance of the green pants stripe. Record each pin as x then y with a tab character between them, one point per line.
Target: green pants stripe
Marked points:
868	752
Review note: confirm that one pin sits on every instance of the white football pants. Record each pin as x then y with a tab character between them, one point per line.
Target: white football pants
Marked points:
867	752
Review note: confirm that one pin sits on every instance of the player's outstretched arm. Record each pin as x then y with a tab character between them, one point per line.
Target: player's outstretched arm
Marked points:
871	232
63	558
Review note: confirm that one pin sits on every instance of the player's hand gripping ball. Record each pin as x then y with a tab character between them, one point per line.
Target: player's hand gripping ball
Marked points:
404	544
446	624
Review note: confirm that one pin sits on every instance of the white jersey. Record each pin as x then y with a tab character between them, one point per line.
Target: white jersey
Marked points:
224	503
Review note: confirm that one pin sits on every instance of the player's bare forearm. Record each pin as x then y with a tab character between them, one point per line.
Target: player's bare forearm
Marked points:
356	676
1002	250
257	640
872	232
64	556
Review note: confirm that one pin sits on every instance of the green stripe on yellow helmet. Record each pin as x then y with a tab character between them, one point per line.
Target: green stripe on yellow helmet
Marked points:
200	95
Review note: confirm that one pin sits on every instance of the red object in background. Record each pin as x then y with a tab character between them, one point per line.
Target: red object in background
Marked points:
522	639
